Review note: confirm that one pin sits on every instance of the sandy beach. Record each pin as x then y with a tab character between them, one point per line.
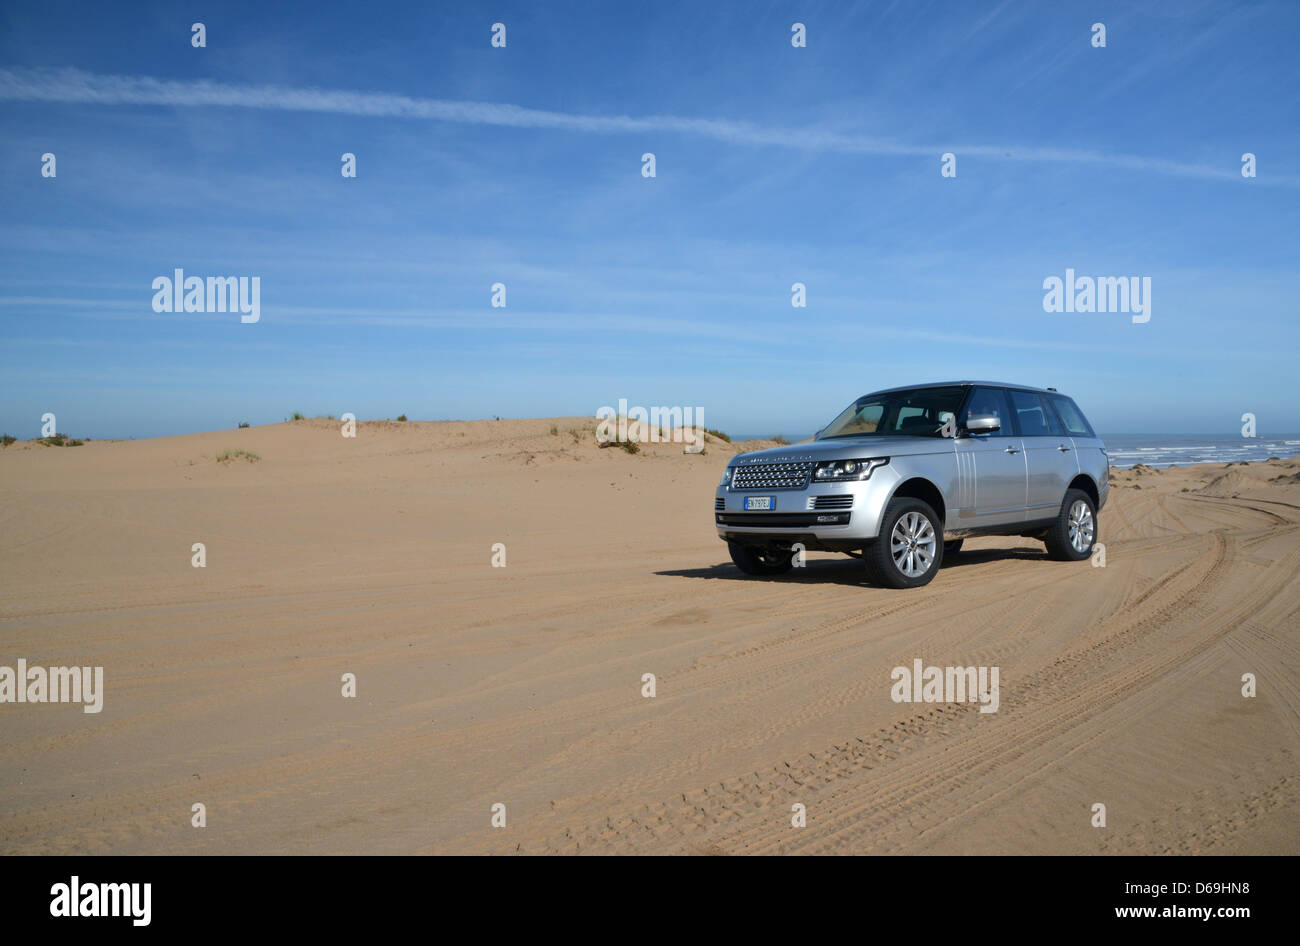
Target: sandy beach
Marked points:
522	685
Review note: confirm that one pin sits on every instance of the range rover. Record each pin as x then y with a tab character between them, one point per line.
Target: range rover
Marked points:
902	476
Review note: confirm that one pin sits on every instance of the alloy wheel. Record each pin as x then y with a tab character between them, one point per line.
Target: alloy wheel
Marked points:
1082	527
912	544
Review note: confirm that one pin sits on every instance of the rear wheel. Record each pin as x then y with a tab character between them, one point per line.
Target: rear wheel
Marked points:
756	560
1070	538
909	549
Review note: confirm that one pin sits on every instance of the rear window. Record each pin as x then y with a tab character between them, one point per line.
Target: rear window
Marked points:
1075	423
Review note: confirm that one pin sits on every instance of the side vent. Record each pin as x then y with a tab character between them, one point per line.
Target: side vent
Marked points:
844	501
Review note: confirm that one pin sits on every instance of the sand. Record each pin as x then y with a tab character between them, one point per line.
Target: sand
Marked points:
1120	685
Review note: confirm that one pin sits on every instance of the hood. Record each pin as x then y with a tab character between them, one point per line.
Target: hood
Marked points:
846	448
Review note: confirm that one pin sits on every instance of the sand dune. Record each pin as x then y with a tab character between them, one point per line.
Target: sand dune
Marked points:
522	685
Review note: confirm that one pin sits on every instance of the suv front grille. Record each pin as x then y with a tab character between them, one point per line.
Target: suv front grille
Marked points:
771	476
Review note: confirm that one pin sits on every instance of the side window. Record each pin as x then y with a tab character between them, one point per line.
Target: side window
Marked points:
1075	423
1030	414
989	401
1053	422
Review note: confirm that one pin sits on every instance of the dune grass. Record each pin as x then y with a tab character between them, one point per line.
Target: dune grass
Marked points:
227	456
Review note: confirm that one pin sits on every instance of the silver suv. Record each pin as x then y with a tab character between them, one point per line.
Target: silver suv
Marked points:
902	476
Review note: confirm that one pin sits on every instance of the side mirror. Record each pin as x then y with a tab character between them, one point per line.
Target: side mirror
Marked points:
983	424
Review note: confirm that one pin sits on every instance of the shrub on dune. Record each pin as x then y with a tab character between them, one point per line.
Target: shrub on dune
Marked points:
226	456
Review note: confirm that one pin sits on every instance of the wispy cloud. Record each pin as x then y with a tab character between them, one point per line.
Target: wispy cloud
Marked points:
79	87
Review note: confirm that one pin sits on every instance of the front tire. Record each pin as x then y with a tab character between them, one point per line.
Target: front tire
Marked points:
909	550
1072	536
754	560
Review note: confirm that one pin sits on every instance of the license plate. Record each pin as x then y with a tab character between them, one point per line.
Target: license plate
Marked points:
760	502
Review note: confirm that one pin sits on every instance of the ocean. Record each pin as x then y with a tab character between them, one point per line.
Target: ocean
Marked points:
1178	449
1128	450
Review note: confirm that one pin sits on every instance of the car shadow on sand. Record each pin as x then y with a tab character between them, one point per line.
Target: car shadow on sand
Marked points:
850	571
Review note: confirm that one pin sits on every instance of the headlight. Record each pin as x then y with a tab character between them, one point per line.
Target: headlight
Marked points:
726	477
840	471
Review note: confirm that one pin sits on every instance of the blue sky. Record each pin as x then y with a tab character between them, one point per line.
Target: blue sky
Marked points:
522	165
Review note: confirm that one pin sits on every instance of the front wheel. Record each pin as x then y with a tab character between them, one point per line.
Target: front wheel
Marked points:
1071	536
910	547
753	560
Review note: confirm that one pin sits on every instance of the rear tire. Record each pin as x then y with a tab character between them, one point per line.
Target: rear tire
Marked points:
755	560
1072	536
909	549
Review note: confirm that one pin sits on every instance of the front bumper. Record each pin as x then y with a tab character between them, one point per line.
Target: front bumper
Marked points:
853	520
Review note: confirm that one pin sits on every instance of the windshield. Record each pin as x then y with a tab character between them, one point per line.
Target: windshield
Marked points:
920	412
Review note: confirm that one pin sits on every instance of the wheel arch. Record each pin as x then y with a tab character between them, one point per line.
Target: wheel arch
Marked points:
1085	484
918	487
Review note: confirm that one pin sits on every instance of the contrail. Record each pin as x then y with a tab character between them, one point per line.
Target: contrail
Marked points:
76	86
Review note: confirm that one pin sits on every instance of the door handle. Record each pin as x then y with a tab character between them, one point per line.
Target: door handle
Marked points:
1010	450
1063	448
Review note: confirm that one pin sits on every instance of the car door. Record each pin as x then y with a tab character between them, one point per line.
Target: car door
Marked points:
1049	454
991	467
1089	451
